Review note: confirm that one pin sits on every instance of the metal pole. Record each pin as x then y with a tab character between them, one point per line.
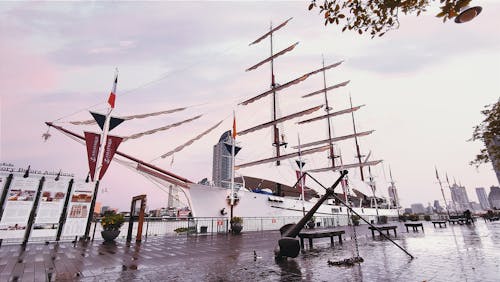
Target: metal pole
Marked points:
4	193
91	211
380	231
62	219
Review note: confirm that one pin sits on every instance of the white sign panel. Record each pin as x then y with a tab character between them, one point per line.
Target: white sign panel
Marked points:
50	208
78	208
18	206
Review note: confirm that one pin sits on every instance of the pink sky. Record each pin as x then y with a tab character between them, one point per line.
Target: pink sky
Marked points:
424	86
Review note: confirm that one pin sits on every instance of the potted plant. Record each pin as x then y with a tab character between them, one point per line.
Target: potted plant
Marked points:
311	223
236	224
355	219
111	223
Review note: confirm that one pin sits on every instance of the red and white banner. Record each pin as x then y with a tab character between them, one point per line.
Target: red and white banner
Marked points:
299	185
112	144
93	141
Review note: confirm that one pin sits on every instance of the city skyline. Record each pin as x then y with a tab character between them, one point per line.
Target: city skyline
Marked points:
424	85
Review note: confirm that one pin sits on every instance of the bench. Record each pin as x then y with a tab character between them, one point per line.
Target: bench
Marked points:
311	234
383	228
415	226
456	220
440	222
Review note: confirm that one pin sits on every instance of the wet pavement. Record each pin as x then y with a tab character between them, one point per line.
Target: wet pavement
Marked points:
455	253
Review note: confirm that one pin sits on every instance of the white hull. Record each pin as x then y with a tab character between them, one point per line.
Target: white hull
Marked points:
209	201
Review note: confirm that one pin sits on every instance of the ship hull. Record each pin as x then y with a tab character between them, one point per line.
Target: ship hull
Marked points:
210	201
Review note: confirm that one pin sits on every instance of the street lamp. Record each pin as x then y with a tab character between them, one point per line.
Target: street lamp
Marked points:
468	13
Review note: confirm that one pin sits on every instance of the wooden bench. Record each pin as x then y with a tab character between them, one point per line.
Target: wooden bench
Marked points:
415	226
440	222
311	234
383	228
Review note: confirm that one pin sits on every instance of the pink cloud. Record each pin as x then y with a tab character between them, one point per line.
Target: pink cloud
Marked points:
23	72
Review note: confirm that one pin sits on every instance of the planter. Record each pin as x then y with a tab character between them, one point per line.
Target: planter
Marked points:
110	235
236	228
311	224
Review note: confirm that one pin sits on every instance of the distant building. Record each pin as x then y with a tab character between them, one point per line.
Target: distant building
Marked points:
173	197
475	206
459	197
104	209
97	207
222	161
483	198
437	207
393	195
408	210
417	208
429	209
494	197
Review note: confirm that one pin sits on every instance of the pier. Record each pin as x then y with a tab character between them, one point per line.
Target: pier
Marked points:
456	253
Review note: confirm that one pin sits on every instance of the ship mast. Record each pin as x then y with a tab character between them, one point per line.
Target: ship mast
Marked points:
327	108
356	141
276	137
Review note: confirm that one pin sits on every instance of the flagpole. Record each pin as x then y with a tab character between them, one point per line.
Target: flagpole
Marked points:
233	139
100	154
442	192
301	178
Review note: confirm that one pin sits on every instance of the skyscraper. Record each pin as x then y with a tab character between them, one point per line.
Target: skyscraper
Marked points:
494	197
222	161
483	198
459	197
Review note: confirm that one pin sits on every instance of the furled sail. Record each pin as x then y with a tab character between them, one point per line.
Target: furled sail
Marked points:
335	139
191	141
346	111
283	157
271	123
290	48
327	89
163	128
288	84
270	32
139	116
370	163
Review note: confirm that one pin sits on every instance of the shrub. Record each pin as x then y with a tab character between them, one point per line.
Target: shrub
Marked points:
236	219
112	221
427	217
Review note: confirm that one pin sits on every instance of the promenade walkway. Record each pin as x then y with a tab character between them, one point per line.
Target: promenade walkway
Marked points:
456	253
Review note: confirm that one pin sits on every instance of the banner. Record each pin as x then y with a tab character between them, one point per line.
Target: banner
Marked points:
18	205
112	144
50	207
78	208
93	141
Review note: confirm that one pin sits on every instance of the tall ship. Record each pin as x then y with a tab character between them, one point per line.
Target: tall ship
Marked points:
244	195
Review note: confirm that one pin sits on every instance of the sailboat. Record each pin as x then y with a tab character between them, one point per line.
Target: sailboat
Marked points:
280	202
206	200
